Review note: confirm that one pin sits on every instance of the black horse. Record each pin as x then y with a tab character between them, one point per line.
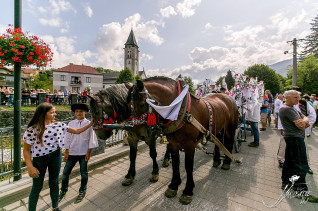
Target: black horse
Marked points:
109	106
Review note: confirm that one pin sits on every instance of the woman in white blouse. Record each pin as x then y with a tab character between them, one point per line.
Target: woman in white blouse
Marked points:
43	140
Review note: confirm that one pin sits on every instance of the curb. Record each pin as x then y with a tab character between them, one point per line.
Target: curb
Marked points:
18	190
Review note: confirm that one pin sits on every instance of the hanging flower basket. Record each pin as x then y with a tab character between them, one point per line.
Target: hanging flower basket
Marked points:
16	46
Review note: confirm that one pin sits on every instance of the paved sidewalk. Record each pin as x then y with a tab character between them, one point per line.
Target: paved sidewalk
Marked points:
245	187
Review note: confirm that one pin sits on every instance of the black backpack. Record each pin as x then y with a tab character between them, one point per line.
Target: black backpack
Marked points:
270	98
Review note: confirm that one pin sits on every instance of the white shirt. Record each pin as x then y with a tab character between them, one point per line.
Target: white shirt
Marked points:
315	103
78	144
254	114
278	103
52	139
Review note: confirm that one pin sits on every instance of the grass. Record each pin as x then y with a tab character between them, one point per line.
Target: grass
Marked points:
32	108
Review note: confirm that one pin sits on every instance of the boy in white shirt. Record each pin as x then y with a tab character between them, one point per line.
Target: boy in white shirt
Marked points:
78	149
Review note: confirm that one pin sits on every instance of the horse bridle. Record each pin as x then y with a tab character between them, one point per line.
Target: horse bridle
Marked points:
105	119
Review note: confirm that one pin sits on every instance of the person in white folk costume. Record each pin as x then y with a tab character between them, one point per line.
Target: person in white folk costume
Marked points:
78	148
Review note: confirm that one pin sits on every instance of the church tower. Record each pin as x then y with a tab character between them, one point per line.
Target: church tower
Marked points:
132	54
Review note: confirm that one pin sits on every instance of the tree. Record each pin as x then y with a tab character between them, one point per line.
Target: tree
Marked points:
102	70
138	77
266	74
125	75
41	81
229	80
219	81
188	81
311	40
307	75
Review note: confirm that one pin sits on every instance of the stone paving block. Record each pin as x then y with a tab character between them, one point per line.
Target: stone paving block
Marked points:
13	205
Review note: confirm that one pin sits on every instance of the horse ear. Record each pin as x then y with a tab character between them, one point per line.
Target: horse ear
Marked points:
128	85
140	85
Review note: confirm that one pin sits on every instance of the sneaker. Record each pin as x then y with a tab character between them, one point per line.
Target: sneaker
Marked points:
253	145
62	195
280	165
80	196
57	209
262	129
311	199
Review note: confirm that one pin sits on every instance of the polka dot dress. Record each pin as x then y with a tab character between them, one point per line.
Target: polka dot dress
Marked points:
52	139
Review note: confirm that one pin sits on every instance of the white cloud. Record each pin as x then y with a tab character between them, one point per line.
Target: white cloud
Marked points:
58	6
187	7
42	10
49	39
167	12
88	10
111	38
54	22
243	37
208	26
145	57
284	25
65	45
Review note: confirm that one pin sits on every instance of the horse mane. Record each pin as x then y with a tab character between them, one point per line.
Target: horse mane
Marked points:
116	95
164	78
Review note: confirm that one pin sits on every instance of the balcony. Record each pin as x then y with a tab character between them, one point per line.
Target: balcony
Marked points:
75	83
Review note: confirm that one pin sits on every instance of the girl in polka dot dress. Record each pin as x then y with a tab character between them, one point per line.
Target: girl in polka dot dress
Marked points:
43	140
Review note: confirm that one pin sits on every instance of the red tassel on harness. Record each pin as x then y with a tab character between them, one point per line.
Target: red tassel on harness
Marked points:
151	119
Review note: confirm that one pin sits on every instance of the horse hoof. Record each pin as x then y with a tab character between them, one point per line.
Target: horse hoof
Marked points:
225	166
170	193
127	181
165	163
216	164
154	178
185	199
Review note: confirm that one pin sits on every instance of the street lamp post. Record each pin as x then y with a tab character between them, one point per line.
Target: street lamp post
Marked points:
17	102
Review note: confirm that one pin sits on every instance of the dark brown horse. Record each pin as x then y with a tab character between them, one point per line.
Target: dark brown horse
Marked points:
109	106
183	134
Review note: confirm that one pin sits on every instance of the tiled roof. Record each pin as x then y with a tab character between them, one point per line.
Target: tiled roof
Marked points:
28	70
111	75
73	68
131	39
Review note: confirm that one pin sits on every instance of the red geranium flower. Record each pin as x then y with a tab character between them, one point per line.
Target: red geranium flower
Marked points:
32	49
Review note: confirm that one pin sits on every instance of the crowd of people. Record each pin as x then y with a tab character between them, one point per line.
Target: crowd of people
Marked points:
295	115
31	97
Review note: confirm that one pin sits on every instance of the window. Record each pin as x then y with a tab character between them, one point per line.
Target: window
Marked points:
76	80
63	77
88	79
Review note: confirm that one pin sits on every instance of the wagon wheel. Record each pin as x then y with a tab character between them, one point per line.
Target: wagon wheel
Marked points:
238	139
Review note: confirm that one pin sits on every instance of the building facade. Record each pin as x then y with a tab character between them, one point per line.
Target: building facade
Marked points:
77	78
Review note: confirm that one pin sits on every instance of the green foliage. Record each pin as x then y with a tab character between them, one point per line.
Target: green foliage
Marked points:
269	76
307	75
41	81
138	77
219	81
229	80
188	80
102	70
311	41
125	75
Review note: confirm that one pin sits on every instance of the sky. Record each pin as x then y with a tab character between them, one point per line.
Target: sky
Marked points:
202	39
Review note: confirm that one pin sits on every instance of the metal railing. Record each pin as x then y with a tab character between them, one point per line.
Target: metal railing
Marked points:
7	151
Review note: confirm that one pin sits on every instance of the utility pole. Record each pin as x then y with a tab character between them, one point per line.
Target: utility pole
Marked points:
17	102
294	43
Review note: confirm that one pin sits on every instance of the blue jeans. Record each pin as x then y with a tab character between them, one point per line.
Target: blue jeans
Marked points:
296	162
254	127
70	163
51	161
